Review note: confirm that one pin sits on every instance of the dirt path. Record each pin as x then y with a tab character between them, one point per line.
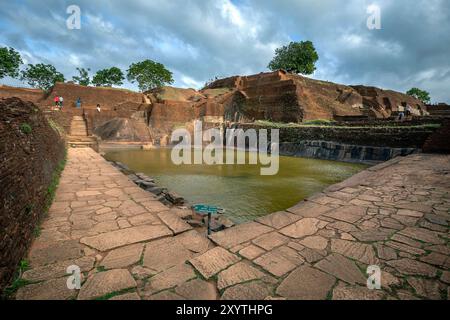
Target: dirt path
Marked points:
130	246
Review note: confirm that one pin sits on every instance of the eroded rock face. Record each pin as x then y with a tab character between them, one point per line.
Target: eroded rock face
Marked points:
275	96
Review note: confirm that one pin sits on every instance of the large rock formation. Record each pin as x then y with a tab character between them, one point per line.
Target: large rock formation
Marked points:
274	96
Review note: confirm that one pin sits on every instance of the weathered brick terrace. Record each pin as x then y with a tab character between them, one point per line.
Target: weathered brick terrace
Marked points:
130	246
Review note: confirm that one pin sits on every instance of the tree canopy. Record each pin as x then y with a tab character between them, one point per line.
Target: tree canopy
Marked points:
297	57
149	75
83	79
42	76
108	77
10	62
417	93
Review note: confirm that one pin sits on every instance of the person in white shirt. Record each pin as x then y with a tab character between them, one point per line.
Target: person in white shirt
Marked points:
61	102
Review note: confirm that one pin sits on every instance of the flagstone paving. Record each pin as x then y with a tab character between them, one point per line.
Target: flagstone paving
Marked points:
129	246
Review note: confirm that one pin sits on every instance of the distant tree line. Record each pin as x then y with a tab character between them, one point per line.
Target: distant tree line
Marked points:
148	74
296	58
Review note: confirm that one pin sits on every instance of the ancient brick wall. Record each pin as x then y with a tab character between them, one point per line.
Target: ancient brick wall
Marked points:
26	94
91	96
439	141
394	137
30	150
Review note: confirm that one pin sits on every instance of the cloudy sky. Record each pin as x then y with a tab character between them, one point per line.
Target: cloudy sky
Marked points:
200	39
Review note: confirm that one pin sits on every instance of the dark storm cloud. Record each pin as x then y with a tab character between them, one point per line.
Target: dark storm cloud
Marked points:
201	39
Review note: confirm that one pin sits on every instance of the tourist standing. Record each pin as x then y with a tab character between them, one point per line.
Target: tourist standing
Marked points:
78	103
61	102
408	110
56	100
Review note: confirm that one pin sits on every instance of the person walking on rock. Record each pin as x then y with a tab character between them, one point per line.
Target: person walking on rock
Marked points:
56	100
61	102
78	103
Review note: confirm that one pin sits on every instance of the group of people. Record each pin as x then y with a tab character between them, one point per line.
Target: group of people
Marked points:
59	101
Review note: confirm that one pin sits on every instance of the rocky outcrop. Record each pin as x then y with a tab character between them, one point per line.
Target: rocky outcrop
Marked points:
274	96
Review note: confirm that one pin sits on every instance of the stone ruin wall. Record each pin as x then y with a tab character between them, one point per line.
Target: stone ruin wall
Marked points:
28	164
272	96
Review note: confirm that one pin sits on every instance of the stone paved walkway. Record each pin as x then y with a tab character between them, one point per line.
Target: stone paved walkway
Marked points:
130	246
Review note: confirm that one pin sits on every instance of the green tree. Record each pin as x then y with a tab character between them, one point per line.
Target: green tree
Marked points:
108	77
42	76
10	62
83	79
417	93
297	57
149	75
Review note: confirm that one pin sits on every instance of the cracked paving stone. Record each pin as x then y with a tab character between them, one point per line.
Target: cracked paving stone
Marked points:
122	237
197	289
306	283
238	273
239	234
342	268
302	228
123	257
355	250
315	242
425	288
270	240
279	261
170	278
54	289
247	291
343	292
412	267
102	283
163	254
58	270
214	261
251	252
279	219
349	214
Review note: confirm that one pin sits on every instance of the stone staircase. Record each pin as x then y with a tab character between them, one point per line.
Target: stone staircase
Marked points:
79	137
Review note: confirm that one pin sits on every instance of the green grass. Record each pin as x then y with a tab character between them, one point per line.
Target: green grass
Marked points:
18	282
25	128
51	190
321	123
37	231
101	269
56	127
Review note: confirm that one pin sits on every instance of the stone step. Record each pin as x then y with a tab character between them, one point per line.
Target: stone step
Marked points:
73	138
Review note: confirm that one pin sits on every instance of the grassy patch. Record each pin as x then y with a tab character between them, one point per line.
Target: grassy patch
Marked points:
56	127
101	269
18	282
51	190
323	123
25	128
37	231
